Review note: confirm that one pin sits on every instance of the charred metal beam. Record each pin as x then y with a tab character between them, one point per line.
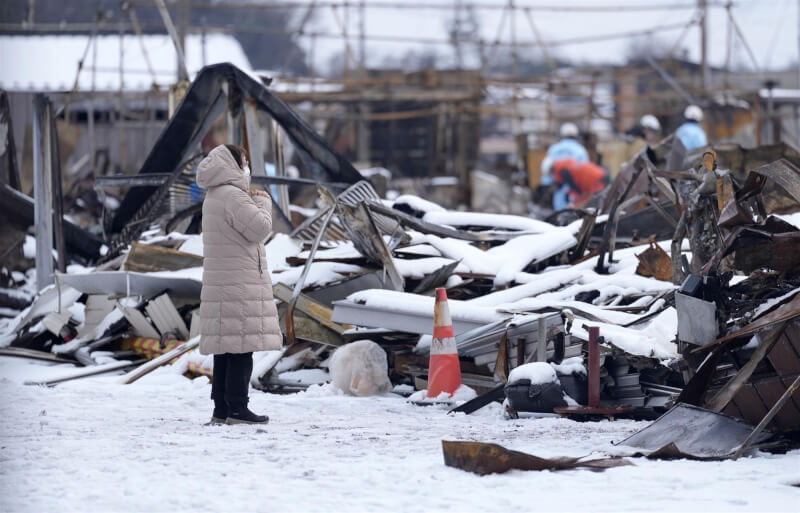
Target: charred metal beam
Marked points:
9	170
158	179
190	120
19	206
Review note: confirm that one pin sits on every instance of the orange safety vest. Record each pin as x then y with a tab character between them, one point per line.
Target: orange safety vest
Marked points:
583	178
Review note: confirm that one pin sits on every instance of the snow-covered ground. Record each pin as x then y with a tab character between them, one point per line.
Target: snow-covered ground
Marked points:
91	445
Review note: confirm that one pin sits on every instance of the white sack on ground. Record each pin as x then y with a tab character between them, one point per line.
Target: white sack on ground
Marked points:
360	368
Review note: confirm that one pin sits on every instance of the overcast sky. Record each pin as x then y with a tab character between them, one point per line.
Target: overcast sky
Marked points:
769	26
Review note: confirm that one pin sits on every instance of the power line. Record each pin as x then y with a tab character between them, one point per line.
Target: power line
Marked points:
442	6
386	38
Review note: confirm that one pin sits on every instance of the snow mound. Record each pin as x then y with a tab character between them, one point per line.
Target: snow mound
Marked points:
538	373
570	366
461	395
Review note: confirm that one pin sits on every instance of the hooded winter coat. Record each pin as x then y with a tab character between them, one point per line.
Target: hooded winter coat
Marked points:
237	312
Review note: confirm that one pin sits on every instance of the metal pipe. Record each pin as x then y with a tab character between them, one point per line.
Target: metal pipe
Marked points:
594	367
298	288
43	191
702	6
280	168
58	197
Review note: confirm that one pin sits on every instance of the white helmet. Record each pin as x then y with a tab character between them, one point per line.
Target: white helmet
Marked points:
693	113
650	122
569	130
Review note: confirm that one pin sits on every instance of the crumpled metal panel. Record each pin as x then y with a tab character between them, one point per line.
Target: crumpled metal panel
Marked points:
692	432
127	283
782	172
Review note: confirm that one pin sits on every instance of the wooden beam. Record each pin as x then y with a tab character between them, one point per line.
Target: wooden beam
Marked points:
150	258
320	313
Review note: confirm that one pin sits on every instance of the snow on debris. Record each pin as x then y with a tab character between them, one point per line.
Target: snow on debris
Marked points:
538	373
279	249
419	268
344	249
29	247
414	304
321	273
636	342
791	219
417	204
489	221
460	396
112	317
570	366
506	260
516	254
419	250
193	244
305	376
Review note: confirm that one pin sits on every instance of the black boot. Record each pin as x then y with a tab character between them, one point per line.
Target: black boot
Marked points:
237	386
220	412
239	413
218	383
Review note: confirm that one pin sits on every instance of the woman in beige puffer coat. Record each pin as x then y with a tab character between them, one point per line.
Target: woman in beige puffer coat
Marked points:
237	312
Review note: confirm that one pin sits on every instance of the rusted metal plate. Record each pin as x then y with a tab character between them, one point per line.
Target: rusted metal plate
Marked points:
750	404
788	417
655	262
483	459
783	358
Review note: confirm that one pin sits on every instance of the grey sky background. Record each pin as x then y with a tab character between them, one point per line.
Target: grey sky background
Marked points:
769	26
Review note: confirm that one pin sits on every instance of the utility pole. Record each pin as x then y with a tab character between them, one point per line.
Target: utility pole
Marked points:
798	48
457	33
183	73
183	23
702	5
362	39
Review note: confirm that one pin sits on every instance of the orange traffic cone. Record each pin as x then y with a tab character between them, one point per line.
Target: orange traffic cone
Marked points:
444	369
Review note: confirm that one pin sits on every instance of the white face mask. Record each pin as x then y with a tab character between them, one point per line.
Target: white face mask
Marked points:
246	170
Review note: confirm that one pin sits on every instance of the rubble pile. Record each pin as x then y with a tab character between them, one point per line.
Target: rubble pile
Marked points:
521	291
675	289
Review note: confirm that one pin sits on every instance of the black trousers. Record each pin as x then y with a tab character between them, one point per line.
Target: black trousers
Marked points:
231	379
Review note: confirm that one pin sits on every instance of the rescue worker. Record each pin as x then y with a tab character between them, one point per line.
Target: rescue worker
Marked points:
567	147
578	181
690	132
651	128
